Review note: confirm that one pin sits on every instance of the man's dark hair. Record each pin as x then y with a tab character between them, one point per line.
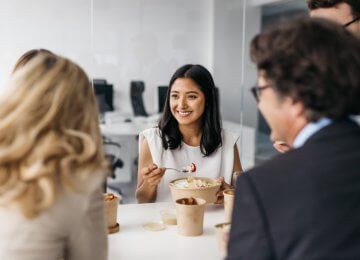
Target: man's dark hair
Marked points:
354	4
210	120
314	61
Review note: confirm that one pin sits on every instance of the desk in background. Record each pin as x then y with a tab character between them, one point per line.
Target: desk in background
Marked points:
124	131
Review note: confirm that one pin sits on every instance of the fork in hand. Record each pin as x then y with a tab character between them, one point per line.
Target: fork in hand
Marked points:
182	170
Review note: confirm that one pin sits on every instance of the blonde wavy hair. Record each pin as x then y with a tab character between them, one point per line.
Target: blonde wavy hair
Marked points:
49	134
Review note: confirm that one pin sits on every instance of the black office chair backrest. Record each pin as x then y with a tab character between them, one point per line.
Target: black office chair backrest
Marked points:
104	95
136	90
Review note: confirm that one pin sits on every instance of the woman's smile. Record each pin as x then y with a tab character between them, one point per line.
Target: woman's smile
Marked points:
184	113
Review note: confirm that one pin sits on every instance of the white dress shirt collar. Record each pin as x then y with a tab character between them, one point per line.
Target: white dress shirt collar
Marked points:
309	130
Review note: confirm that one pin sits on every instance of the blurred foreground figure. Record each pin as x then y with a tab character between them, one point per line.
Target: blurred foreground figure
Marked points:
51	164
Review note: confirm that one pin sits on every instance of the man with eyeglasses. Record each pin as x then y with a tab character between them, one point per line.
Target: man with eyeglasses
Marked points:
303	204
343	12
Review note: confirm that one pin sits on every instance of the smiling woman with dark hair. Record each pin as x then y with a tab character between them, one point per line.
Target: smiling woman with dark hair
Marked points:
188	132
210	119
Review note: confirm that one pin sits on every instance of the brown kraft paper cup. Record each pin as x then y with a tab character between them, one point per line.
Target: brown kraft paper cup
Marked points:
222	236
111	205
190	218
229	195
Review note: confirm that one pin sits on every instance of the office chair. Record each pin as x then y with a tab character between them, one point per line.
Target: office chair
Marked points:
104	94
136	90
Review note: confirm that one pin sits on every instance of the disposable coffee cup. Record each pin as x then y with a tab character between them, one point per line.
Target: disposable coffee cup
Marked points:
190	218
222	236
229	195
111	204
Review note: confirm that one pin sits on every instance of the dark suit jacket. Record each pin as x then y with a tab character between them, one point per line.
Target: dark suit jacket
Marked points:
304	204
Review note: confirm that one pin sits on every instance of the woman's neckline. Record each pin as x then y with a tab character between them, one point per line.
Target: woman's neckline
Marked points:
189	146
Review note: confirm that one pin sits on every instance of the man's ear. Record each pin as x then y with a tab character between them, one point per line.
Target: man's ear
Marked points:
297	109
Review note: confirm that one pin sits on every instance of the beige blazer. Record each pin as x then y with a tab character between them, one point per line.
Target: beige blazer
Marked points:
72	229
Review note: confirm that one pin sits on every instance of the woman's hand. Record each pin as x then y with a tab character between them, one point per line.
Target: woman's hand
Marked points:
152	174
220	194
149	174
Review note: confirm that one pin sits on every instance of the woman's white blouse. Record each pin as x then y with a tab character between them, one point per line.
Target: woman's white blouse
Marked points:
219	163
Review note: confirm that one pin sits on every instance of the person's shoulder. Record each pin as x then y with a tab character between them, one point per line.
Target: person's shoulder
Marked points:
85	185
229	135
84	182
280	167
151	130
151	133
153	137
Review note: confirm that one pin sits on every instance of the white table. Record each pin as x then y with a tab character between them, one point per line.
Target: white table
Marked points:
134	242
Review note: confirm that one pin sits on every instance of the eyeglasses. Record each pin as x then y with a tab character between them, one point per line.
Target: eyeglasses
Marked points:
256	91
351	22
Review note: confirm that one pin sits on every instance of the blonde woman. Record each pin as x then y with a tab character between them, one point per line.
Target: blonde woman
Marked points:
51	165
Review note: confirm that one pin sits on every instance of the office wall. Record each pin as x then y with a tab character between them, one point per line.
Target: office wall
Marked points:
120	40
148	40
61	26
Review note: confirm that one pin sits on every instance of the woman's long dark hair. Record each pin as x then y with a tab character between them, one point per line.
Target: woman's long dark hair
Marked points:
210	121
